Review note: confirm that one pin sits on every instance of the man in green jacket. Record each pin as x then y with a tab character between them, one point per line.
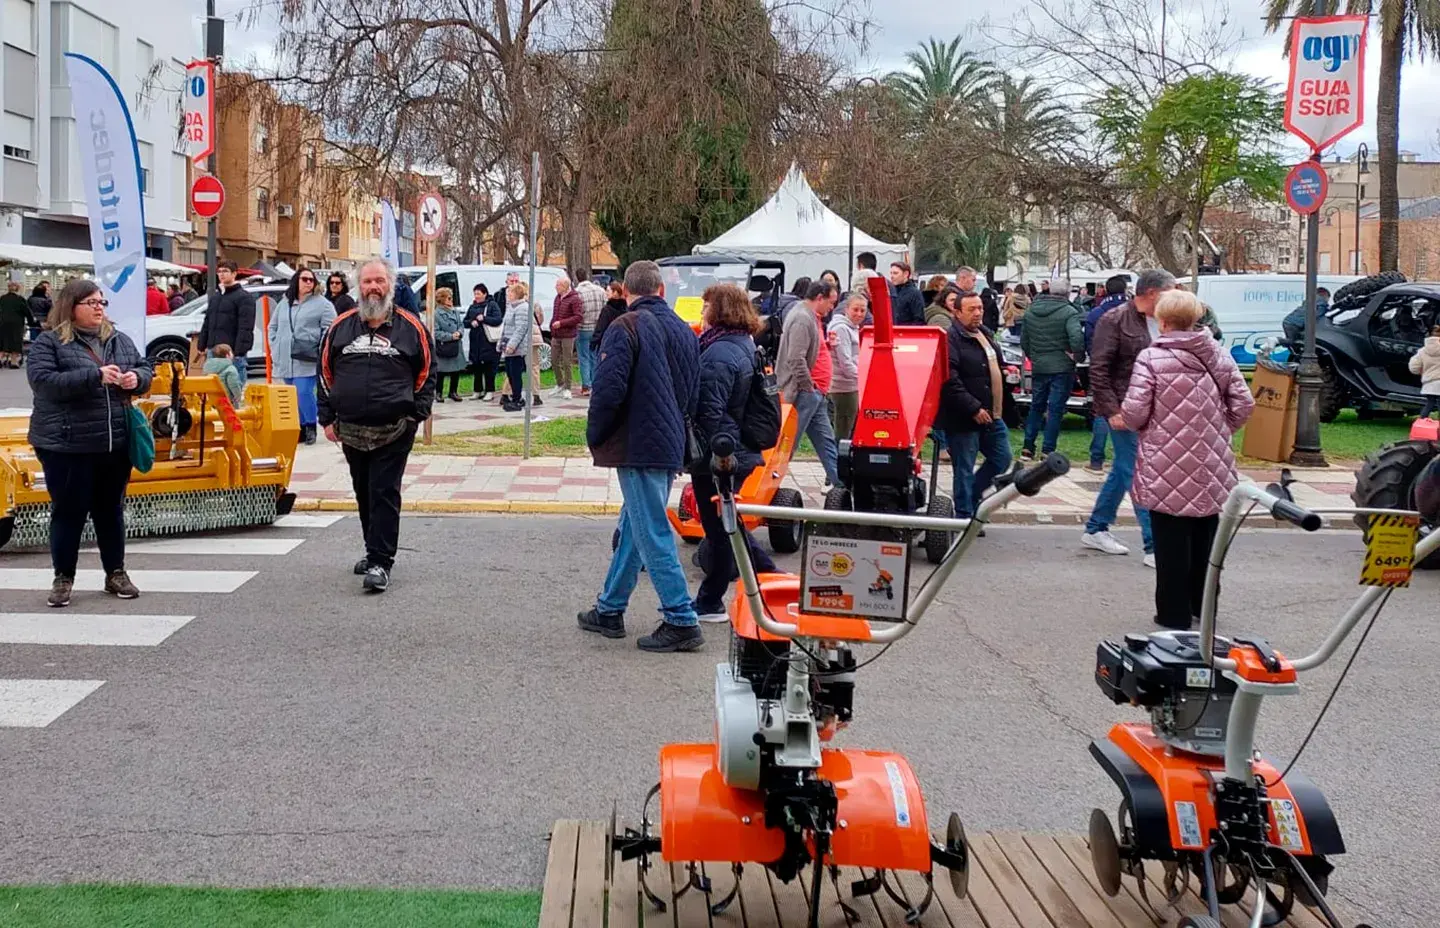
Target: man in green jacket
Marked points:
1054	341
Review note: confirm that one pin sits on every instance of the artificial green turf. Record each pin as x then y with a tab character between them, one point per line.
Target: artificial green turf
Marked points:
127	906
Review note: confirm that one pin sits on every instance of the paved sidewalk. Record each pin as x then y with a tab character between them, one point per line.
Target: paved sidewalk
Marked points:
446	483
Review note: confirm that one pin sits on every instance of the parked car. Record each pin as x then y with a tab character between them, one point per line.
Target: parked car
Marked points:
1365	343
173	330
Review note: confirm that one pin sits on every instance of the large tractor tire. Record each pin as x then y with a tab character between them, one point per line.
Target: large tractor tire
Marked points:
1360	289
1334	393
1387	481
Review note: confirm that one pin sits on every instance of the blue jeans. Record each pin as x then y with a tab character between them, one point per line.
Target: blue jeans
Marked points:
587	357
1099	434
1048	393
240	364
1117	484
305	394
991	440
815	422
646	538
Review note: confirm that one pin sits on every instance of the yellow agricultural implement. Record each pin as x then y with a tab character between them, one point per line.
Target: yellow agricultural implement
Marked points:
225	467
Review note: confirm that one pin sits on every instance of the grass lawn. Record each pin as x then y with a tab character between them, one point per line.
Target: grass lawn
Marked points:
106	906
1347	439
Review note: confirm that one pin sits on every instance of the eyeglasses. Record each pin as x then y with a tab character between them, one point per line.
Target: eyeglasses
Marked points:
308	280
100	303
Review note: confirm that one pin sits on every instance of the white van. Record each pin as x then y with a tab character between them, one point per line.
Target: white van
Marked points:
462	278
1250	307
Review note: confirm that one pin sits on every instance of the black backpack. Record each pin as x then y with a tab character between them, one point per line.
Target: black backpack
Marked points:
760	412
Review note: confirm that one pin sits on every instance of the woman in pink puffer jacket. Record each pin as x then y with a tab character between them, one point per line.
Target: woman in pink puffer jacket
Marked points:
1186	399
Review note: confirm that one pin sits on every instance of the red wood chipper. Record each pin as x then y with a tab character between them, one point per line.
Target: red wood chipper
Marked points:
901	371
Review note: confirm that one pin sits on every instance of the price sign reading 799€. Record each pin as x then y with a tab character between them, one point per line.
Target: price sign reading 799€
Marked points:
854	578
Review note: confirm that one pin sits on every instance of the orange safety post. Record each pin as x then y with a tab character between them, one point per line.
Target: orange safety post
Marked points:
265	333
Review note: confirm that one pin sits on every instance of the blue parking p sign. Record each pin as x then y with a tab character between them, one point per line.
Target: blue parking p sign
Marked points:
1306	186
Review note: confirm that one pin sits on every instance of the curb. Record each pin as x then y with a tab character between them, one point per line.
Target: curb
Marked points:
471	507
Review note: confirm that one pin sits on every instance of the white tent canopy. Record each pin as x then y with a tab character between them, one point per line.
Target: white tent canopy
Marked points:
73	258
798	229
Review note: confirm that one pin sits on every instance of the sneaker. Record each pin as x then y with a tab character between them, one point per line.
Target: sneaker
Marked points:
482	397
377	579
714	618
456	398
667	638
609	624
60	592
1027	454
1149	560
361	566
1096	469
568	395
118	584
1103	541
537	402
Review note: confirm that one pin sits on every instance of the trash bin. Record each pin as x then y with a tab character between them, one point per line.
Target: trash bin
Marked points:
1270	433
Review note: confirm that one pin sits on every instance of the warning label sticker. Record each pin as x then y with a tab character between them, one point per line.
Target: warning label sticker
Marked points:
1189	822
1287	825
897	793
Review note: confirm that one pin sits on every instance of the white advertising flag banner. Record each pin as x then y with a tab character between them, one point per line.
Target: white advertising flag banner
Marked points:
1325	98
389	234
110	167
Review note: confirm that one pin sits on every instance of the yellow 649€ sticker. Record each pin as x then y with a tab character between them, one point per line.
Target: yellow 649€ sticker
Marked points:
1389	550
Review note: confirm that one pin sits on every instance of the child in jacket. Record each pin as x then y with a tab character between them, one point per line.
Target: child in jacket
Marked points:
1426	364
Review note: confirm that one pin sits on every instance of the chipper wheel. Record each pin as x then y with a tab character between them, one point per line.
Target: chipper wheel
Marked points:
938	543
955	843
1198	921
785	535
1104	852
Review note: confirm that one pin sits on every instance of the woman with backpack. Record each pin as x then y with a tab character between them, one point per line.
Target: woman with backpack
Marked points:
727	370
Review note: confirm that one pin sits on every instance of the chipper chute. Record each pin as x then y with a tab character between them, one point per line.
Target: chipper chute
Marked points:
216	466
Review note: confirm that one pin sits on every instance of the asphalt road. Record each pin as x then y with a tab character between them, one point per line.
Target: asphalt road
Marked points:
297	732
14	390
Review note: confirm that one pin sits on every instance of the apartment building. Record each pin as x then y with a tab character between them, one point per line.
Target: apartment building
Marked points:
144	46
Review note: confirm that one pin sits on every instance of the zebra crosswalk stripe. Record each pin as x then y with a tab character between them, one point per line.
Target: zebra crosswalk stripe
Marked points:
37	703
219	545
77	628
149	581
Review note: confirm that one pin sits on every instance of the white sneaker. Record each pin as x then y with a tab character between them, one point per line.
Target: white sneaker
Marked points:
714	618
568	395
1103	541
1150	561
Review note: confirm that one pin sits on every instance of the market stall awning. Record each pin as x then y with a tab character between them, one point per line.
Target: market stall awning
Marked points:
41	256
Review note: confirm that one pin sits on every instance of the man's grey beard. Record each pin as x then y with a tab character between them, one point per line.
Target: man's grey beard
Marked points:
376	308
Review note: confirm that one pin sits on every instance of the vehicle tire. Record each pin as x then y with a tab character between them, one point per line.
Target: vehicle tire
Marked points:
838	499
1365	286
7	528
1198	921
785	535
1334	395
544	350
1387	478
156	351
938	543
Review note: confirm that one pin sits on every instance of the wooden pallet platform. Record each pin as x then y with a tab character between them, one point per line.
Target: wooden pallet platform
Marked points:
1016	881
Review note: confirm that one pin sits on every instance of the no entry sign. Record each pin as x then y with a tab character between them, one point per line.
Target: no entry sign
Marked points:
1306	186
207	196
1325	98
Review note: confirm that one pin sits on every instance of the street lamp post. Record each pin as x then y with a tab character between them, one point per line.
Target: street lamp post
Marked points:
1329	215
855	86
1362	167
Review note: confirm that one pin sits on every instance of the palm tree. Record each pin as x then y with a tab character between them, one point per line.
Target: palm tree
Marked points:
1023	116
1407	28
941	80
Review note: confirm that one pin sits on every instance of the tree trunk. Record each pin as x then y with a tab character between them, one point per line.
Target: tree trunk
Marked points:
1387	127
1195	254
577	239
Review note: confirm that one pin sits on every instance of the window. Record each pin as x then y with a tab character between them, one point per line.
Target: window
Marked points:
310	159
19	137
262	204
332	242
1324	263
147	168
19	19
88	35
1354	262
310	217
262	138
144	62
1422	264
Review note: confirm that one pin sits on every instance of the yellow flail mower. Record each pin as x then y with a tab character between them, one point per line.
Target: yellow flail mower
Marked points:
216	466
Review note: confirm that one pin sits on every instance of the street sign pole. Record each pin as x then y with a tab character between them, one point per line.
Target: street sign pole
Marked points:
214	48
1307	452
430	213
531	379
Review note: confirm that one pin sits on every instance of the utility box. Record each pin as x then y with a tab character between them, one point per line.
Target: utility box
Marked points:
1270	433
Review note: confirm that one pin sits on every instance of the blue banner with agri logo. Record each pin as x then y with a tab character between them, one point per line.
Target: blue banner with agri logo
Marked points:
110	168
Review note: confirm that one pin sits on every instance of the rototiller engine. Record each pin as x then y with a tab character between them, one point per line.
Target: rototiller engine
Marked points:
770	790
1196	796
901	369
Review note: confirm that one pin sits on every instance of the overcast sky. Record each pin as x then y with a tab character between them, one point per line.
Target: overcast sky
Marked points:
903	24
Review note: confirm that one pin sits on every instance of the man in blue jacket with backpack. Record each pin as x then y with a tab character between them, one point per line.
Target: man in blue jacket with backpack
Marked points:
642	404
